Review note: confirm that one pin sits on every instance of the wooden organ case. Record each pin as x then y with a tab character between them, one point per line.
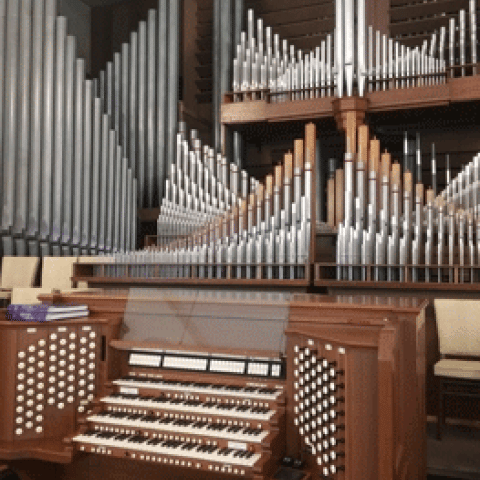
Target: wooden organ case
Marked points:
202	386
356	370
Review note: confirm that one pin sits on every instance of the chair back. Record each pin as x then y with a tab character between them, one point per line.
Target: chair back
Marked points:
19	271
28	296
458	326
57	272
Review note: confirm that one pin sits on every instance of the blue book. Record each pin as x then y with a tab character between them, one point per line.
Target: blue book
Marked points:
45	313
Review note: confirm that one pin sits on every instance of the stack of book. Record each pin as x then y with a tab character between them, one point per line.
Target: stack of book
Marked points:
45	313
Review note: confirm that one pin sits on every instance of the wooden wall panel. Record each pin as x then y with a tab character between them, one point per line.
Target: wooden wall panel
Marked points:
414	22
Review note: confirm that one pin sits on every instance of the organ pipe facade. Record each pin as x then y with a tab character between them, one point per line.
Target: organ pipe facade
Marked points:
74	150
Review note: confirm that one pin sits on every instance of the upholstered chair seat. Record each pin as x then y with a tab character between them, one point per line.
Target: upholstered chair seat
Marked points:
458	370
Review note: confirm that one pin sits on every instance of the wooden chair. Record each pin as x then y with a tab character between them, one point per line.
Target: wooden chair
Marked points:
57	272
17	272
458	370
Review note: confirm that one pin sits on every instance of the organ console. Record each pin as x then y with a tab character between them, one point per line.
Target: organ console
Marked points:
191	394
198	389
212	412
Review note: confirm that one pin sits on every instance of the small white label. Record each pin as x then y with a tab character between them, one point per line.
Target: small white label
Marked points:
86	328
62	329
276	369
140	360
227	366
258	369
237	445
31	330
129	391
185	363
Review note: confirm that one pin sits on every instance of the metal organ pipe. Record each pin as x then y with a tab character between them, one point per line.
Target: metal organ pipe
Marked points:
10	111
59	126
55	200
21	200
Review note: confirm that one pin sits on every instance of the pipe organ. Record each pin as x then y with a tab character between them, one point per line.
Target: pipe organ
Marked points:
66	182
396	230
353	59
219	223
139	90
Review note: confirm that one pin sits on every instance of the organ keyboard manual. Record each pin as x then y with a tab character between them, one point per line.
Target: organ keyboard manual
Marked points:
202	384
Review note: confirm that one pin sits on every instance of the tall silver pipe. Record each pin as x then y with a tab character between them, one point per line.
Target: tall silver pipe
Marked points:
172	78
3	41
128	215
78	159
87	164
133	222
238	9
69	139
463	37
117	85
112	156
142	99
451	45
339	46
378	64
473	33
102	85
419	159
22	188
371	65
151	179
361	46
125	92
11	106
109	90
104	183
226	50
59	126
97	161
216	44
161	98
123	206
349	44
133	96
117	197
